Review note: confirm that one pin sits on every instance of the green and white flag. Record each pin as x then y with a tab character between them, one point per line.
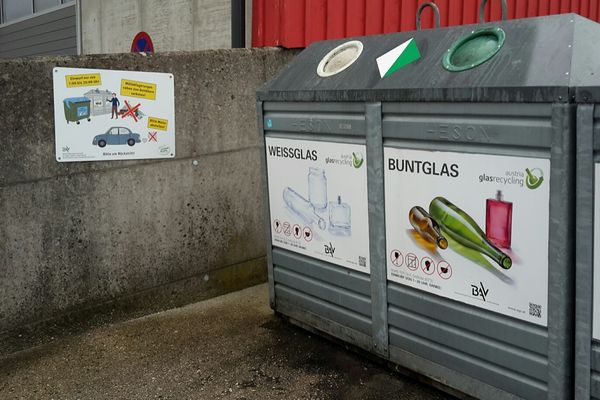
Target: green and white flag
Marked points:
398	57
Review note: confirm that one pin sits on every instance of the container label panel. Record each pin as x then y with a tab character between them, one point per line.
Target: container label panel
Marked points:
318	200
470	227
596	295
102	115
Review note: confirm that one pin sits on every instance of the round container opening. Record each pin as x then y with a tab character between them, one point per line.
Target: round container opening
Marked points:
339	58
474	49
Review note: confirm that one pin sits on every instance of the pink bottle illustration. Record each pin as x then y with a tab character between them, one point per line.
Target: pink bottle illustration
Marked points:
498	220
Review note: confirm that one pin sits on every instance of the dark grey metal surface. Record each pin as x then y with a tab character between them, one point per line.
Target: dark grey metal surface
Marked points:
519	103
315	293
536	64
587	367
586	60
53	32
514	356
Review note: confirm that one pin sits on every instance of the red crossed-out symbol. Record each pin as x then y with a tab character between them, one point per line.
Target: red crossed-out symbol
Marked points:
152	136
131	111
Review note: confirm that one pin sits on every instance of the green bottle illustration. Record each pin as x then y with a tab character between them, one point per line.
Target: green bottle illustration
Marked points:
462	228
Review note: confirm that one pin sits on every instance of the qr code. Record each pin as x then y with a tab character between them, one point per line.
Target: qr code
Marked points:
535	310
362	261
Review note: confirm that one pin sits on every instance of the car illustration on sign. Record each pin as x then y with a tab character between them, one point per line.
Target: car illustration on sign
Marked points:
117	135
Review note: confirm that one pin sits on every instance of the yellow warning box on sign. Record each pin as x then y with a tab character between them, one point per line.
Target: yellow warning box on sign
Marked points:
157	123
137	89
83	80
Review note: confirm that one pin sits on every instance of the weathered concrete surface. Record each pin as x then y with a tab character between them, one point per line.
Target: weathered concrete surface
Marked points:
76	236
109	26
228	347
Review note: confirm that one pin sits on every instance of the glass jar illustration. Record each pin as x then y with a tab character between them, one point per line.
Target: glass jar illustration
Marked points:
317	188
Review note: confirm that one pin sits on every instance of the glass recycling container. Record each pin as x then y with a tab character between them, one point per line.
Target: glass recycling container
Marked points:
453	153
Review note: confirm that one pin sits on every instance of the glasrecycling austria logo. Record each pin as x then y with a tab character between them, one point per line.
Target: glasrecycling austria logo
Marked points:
354	159
534	178
357	160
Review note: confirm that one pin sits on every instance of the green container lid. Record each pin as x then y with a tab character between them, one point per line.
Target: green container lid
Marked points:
474	49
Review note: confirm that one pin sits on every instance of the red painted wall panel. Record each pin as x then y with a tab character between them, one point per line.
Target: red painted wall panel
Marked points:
374	17
298	23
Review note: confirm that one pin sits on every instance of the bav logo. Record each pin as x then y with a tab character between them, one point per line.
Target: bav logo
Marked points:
480	291
329	249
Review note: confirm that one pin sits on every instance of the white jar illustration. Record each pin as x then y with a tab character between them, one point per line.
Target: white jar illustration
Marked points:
317	188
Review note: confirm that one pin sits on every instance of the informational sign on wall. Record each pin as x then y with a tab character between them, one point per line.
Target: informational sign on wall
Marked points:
113	115
469	227
596	295
318	200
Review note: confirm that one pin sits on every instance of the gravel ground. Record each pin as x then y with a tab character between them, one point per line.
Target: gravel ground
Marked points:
231	347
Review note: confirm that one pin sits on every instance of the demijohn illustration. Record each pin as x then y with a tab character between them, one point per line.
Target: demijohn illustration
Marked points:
302	207
427	227
462	228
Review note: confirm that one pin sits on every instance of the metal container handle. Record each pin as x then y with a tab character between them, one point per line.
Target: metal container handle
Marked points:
482	11
436	13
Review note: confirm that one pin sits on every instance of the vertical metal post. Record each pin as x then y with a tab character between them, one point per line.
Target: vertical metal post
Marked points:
266	206
561	273
238	24
584	243
377	229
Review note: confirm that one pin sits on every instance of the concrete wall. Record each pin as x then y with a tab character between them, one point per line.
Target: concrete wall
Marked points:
109	26
77	235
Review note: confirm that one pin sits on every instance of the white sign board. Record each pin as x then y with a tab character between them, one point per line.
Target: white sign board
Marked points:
469	227
104	115
595	295
318	200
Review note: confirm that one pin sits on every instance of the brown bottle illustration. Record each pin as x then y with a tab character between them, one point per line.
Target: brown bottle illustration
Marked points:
427	227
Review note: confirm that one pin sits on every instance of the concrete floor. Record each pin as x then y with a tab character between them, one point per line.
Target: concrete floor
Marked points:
231	347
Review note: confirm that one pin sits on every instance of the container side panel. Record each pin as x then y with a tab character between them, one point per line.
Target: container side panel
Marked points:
325	291
322	308
502	378
504	352
314	322
473	321
350	280
467	385
495	352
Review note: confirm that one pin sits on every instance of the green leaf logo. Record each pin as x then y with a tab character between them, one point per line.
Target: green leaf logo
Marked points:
534	178
357	160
